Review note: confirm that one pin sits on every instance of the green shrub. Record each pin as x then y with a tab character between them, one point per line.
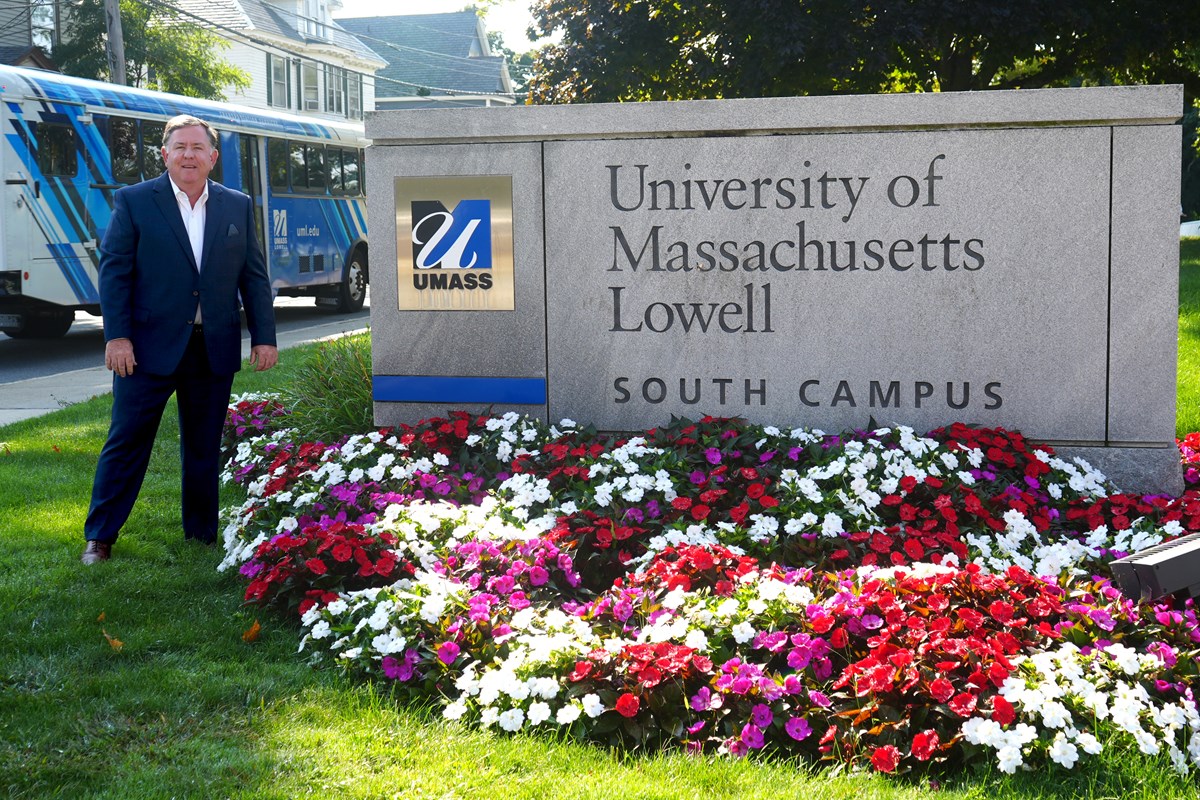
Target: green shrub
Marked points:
330	395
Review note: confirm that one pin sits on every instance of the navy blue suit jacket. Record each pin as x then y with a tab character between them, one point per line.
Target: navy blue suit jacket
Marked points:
150	284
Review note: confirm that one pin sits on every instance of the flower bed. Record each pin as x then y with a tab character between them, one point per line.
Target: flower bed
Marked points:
877	598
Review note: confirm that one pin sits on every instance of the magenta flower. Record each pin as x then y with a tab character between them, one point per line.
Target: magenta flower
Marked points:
752	735
448	652
798	728
761	715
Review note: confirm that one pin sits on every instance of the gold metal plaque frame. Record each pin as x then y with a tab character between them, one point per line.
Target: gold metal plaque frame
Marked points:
449	191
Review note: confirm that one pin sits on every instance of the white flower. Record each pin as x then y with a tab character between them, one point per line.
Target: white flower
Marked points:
743	632
1055	715
832	525
455	710
1009	758
593	706
567	714
512	720
1089	743
539	712
1063	752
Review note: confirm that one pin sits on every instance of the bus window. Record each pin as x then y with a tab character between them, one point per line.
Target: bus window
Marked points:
296	159
152	139
123	148
333	161
56	150
350	171
314	157
217	174
277	164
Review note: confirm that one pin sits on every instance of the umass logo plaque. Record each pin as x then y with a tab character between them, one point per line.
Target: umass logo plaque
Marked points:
454	243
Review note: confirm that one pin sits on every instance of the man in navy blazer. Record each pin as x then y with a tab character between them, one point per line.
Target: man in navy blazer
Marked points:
178	252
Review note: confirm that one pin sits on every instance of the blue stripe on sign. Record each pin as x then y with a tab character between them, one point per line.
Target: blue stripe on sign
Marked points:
440	389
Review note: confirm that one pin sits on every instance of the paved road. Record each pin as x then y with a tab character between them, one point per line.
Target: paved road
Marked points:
37	377
83	346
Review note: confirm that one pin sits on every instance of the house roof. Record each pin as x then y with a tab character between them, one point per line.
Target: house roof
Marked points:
26	56
249	16
437	52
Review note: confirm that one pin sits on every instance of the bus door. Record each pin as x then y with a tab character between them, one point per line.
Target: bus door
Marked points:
252	183
69	198
16	223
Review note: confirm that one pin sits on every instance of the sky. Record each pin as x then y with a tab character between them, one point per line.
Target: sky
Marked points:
510	17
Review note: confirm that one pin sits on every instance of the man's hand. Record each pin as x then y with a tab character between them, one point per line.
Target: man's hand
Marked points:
263	357
118	356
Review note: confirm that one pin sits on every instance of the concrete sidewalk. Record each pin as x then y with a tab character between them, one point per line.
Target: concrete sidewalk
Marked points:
36	396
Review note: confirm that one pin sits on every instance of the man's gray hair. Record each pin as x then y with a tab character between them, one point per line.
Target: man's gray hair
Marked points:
188	121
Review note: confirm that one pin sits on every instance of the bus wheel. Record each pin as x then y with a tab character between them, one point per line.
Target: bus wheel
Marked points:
353	290
52	325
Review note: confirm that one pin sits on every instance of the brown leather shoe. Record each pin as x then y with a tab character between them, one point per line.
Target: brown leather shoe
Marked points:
96	551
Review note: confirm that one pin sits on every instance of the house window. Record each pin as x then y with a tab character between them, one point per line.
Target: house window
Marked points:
278	90
309	90
354	108
335	90
43	24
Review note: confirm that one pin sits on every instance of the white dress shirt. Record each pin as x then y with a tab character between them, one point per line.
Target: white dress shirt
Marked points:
193	223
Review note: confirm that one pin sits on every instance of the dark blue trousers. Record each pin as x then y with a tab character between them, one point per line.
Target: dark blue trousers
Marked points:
138	403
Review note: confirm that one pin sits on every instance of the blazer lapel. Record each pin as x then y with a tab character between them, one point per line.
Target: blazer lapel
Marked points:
169	206
214	214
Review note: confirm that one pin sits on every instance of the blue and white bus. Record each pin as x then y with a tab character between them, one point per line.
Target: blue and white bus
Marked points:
69	143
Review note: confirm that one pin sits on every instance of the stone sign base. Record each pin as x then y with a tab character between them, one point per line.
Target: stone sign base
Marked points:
1006	259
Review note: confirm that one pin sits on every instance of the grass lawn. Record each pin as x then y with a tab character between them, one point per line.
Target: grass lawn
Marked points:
1187	416
132	680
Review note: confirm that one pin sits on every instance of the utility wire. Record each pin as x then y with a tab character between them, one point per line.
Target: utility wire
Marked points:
271	47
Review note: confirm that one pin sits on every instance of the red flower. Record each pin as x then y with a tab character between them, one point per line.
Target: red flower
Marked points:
700	511
316	566
581	671
963	704
925	744
941	690
886	758
628	705
1003	711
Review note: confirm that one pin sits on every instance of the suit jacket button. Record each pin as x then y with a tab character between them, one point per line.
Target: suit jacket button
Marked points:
195	294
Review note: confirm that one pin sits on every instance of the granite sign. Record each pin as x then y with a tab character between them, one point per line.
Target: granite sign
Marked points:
1007	259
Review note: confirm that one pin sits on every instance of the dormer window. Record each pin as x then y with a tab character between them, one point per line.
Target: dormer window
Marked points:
315	22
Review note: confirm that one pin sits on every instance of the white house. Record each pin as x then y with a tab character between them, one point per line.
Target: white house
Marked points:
298	58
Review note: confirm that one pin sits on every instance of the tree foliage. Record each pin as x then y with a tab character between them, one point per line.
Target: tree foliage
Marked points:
620	50
614	50
163	51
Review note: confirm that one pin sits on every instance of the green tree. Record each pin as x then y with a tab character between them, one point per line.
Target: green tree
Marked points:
520	65
163	50
620	50
612	50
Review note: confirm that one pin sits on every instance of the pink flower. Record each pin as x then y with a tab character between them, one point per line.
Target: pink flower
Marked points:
447	652
798	728
752	735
